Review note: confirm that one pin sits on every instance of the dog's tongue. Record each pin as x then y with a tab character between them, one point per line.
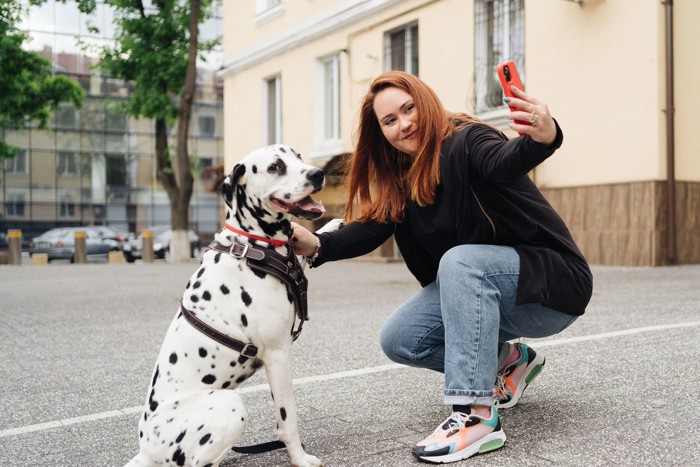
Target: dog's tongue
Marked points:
308	204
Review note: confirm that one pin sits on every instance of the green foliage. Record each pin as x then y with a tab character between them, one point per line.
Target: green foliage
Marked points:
28	89
151	51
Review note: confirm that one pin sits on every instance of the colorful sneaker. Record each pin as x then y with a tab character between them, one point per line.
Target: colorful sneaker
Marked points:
520	369
461	436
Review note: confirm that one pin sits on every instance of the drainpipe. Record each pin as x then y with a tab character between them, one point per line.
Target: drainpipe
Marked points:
670	147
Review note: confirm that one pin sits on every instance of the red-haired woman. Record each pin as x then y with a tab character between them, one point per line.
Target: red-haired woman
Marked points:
495	260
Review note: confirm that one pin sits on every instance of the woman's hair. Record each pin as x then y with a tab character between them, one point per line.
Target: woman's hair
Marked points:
379	176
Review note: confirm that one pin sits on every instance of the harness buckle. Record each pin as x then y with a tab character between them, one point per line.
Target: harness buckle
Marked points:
242	254
249	350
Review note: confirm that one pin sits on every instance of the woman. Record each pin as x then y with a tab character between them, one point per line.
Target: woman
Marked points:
495	260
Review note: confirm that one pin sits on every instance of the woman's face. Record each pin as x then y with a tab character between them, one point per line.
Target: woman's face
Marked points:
398	117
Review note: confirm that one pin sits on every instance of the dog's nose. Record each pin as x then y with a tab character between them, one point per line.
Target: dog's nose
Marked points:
316	177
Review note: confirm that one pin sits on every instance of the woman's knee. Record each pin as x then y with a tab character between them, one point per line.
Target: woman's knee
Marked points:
389	342
477	259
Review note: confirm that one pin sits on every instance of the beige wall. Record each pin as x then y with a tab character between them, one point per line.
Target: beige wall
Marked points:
600	67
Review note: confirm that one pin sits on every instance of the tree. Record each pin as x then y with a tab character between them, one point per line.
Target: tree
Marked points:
157	49
28	89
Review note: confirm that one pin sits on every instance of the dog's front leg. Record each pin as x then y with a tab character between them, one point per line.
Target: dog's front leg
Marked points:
278	367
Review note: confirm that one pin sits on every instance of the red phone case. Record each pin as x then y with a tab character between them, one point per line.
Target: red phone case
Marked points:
508	74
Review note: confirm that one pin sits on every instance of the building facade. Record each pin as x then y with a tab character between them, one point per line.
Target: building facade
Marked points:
626	180
95	165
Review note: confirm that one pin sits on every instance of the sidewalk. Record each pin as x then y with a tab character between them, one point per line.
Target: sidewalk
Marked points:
78	344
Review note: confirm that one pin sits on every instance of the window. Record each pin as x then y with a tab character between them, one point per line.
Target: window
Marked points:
329	108
500	36
273	110
67	164
401	49
14	205
266	10
116	170
17	165
65	117
66	207
207	125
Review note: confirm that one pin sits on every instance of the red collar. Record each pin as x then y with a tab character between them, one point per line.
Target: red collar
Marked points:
271	241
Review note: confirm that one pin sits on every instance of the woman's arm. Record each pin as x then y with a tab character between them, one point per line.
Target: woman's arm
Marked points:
354	239
498	159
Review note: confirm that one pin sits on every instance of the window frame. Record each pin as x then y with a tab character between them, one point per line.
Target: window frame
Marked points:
410	44
327	144
488	94
277	80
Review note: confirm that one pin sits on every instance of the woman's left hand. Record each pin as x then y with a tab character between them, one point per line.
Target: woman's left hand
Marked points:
541	127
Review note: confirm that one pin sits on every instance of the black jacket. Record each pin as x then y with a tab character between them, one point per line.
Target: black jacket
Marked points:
485	197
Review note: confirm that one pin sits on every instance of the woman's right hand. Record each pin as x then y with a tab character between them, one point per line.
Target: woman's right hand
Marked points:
303	243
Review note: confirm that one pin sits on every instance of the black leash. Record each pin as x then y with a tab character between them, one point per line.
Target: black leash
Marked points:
259	448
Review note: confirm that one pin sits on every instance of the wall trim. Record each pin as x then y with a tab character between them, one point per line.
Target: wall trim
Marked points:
334	18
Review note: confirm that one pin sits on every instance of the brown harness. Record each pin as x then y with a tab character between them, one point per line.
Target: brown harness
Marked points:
285	268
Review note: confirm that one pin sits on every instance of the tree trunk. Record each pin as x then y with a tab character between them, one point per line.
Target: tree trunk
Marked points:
180	250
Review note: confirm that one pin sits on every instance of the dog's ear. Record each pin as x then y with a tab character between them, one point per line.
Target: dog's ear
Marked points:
228	187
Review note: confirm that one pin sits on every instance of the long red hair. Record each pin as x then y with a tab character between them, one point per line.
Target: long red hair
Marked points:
379	176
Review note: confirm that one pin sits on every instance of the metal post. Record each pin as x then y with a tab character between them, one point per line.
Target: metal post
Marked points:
147	238
80	253
14	251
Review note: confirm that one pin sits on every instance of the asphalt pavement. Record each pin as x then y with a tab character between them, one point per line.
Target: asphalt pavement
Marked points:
78	343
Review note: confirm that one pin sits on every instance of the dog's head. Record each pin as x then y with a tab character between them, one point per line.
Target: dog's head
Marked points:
271	183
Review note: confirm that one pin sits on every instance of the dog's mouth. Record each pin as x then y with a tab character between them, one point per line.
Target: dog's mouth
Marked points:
306	208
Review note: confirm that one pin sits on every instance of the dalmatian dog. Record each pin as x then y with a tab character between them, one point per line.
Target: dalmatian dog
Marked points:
192	416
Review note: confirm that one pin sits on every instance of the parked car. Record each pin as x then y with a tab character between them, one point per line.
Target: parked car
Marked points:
107	231
59	243
133	248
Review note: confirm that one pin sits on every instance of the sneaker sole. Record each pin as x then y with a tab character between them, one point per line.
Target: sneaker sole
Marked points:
531	372
488	443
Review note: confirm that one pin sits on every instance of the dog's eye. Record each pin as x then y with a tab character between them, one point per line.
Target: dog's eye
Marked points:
272	168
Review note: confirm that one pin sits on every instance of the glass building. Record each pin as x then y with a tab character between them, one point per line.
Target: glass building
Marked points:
95	165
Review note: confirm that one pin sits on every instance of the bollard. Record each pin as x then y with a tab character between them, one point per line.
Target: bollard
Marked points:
80	251
147	246
14	251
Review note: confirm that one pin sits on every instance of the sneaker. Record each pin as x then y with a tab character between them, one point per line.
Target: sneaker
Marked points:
461	436
518	372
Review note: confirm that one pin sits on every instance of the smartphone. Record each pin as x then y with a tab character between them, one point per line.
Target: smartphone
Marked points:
508	75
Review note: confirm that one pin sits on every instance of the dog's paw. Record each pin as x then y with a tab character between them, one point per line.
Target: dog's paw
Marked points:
332	225
307	461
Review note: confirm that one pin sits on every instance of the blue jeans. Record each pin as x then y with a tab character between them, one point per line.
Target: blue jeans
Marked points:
457	324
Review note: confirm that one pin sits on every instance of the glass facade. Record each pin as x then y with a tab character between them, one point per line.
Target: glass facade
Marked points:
95	165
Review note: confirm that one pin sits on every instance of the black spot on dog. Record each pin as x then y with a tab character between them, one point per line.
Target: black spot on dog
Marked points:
283	414
242	359
257	363
244	320
226	384
194	298
202	352
287	196
217	257
201	271
140	434
180	436
188	285
173	358
155	375
260	274
206	295
224	289
255	169
204	439
209	379
196	285
200	427
242	378
233	364
153	406
245	297
179	457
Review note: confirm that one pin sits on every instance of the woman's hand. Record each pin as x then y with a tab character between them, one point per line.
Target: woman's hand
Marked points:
303	243
529	109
